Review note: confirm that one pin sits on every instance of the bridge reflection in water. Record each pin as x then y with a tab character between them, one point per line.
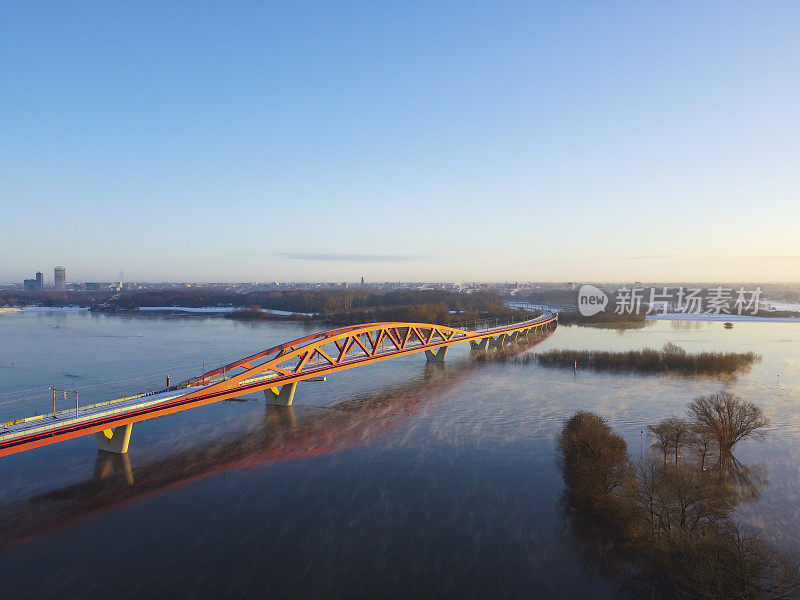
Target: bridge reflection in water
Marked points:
284	434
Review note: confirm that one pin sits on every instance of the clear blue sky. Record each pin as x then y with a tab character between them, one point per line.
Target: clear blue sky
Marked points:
431	141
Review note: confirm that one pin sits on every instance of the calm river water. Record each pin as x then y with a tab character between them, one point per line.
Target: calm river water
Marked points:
396	480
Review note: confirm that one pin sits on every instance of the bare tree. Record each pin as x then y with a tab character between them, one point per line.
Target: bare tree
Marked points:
662	435
672	434
646	493
727	419
680	434
689	502
702	444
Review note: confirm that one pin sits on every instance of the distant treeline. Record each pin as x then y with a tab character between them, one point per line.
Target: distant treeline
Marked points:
418	313
329	301
343	307
671	358
410	313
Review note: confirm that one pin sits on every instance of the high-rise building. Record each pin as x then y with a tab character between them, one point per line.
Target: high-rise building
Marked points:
60	275
34	285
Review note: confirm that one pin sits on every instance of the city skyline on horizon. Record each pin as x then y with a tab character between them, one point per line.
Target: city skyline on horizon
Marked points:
361	280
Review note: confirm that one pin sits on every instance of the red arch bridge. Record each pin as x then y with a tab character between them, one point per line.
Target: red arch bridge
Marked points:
276	371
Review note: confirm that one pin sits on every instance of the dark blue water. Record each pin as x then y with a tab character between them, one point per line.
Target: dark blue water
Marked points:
394	480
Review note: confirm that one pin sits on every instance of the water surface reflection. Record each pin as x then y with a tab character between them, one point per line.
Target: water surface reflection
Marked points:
283	434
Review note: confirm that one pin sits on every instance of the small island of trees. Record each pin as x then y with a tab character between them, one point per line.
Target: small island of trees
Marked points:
670	359
663	526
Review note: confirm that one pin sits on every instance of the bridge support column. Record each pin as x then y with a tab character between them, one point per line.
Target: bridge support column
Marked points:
438	357
497	343
481	345
282	396
114	440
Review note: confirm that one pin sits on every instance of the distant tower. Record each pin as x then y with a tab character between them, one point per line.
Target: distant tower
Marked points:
60	275
362	282
39	281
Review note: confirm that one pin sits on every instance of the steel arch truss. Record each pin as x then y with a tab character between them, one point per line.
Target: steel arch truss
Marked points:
330	351
322	353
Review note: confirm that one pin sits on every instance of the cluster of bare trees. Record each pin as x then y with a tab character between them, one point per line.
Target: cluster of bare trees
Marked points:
663	527
716	423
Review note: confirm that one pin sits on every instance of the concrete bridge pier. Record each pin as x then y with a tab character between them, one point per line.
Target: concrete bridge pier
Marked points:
114	440
438	357
498	342
480	345
280	397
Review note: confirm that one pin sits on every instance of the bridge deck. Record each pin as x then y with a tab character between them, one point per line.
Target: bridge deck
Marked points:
91	412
